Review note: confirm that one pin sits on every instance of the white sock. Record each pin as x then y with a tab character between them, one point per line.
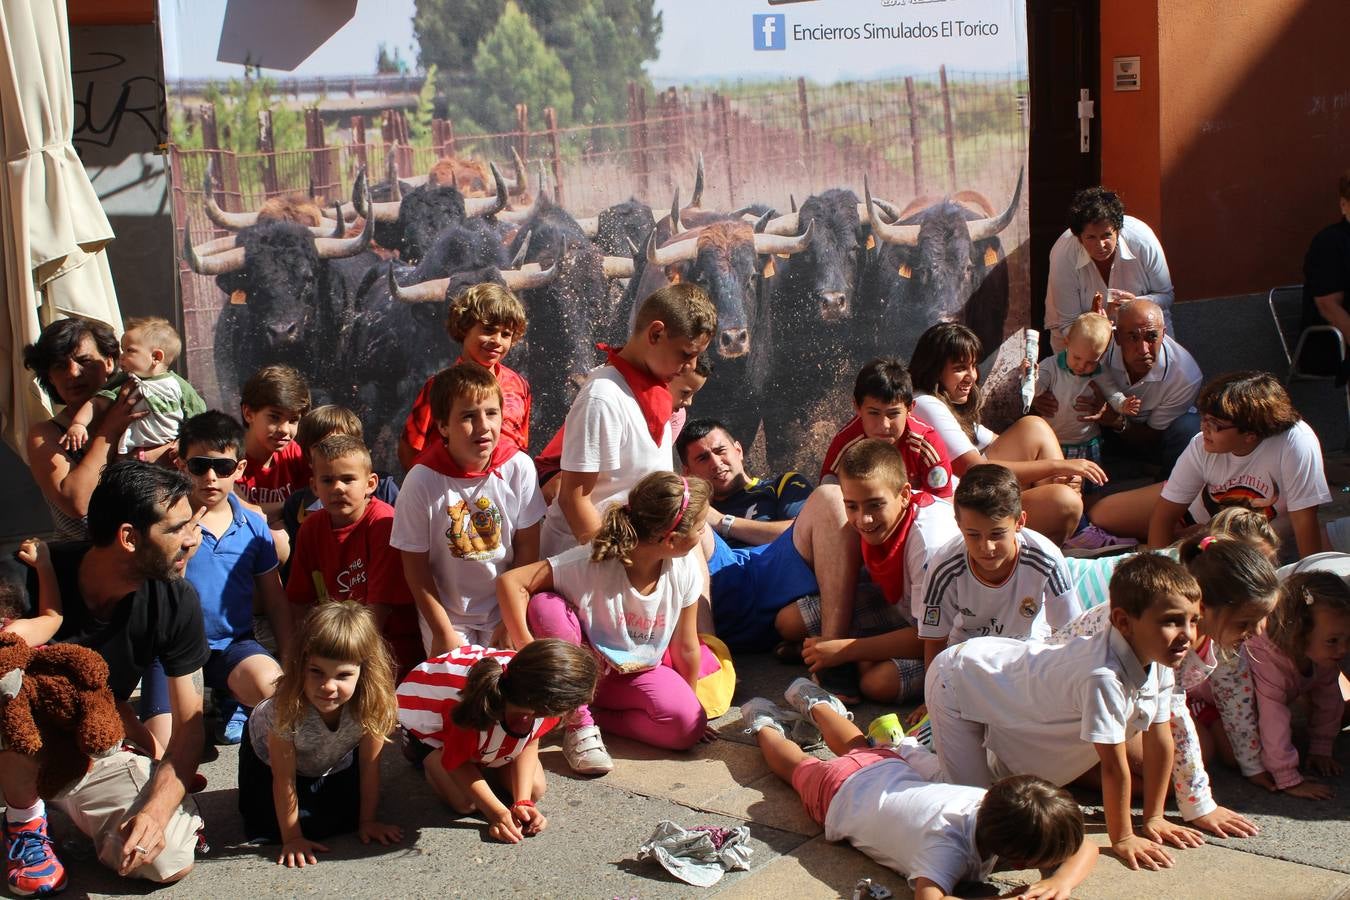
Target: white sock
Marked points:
20	814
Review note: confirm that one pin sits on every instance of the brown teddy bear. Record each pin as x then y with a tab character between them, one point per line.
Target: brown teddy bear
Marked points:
55	705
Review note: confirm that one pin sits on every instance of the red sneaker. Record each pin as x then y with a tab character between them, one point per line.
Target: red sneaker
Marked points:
31	866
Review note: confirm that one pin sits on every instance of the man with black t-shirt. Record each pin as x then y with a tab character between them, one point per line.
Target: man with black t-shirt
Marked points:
1326	282
124	596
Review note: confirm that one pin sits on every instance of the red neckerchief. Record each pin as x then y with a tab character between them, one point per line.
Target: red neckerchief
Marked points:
437	457
652	395
886	563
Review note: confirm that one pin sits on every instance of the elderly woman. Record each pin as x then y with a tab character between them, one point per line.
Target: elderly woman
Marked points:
1103	252
72	359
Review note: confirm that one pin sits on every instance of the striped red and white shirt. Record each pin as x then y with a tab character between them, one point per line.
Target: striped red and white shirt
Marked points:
429	695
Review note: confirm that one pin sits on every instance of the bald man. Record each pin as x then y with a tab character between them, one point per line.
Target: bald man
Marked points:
1149	365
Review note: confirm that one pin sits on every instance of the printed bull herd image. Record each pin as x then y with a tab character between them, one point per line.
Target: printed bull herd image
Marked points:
353	294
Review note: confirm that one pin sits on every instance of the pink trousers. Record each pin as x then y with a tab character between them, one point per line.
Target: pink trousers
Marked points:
656	707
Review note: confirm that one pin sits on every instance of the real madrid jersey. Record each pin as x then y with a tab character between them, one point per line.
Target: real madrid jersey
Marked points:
1036	597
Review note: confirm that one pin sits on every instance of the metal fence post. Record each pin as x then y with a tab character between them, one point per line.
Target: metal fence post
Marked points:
551	123
267	148
948	127
914	136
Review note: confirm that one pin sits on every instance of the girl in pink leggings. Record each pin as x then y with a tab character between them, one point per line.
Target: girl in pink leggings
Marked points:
631	595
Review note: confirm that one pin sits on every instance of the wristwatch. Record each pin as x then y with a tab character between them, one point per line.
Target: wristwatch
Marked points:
724	524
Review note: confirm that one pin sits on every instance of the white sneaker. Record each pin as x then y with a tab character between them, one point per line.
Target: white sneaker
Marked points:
760	712
585	752
804	693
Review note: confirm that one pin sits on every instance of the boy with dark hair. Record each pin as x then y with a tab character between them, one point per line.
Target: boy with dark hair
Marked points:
998	577
885	801
235	565
271	404
900	530
468	511
883	401
1000	706
756	509
618	429
314	426
486	320
345	553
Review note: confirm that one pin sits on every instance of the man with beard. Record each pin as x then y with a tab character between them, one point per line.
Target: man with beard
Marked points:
123	594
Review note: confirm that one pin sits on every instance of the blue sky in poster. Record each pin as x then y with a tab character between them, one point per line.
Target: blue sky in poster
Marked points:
703	39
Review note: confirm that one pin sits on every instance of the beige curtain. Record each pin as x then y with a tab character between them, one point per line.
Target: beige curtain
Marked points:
54	229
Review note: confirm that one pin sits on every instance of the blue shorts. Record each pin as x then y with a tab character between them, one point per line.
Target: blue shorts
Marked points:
750	586
216	674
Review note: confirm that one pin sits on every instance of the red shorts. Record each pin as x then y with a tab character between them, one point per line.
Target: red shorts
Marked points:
816	781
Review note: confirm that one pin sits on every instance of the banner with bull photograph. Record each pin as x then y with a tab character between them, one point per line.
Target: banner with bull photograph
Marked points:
837	174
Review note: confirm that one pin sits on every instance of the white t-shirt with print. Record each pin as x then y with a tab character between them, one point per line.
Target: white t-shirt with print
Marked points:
1036	597
938	414
630	630
1045	705
1282	474
605	433
921	829
467	527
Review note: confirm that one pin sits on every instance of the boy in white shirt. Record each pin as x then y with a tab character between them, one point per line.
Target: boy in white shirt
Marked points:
618	429
998	577
468	510
1001	706
883	801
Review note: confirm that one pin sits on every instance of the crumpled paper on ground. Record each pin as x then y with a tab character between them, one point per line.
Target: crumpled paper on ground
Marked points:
698	856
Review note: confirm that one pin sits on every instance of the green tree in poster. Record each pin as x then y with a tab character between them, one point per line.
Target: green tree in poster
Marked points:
237	107
513	65
603	45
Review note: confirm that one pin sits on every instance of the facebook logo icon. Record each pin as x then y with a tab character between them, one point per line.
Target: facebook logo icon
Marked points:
770	31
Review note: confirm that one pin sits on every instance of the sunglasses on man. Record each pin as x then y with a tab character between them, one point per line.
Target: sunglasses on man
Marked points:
223	466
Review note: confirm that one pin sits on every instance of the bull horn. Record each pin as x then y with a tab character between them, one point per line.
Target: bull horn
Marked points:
678	251
523	251
218	263
218	245
228	220
792	203
906	235
618	267
784	245
786	225
763	221
633	248
521	216
423	292
697	199
487	206
675	213
530	277
340	248
521	184
983	229
590	226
